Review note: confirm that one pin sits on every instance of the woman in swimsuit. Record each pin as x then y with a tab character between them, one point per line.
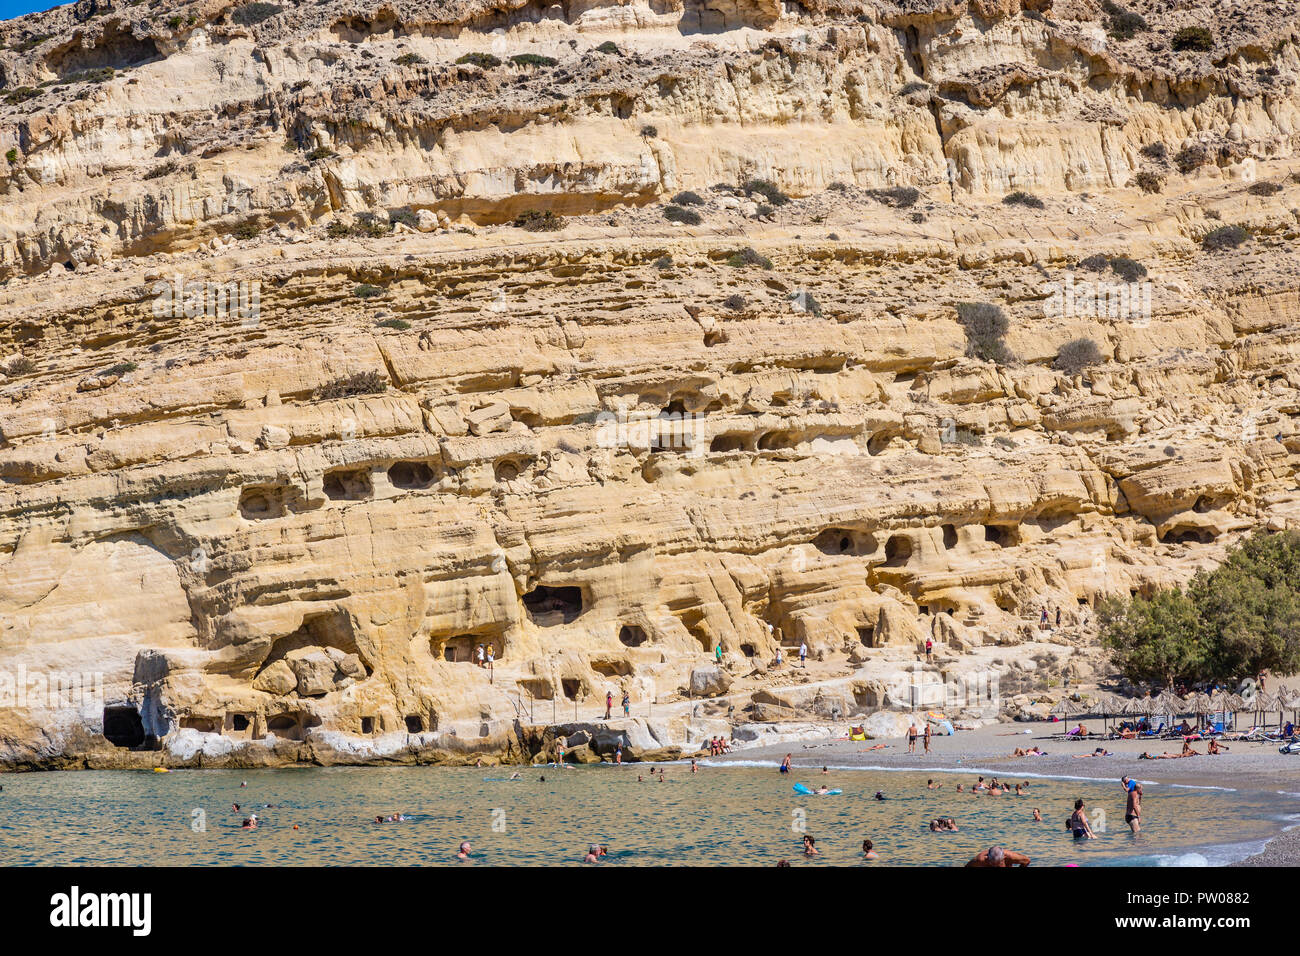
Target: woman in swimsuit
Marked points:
1078	823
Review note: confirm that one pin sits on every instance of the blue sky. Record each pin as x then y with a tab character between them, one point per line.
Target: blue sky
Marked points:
16	8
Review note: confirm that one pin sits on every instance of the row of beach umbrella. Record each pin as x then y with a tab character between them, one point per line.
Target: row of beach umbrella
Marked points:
1168	703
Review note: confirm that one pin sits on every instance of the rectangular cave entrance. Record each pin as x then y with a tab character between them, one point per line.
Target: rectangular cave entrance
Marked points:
549	606
367	725
238	725
632	635
348	484
122	726
572	687
867	635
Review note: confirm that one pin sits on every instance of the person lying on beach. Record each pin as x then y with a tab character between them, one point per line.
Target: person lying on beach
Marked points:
1188	750
1031	752
1099	752
1164	756
1128	734
1215	748
998	857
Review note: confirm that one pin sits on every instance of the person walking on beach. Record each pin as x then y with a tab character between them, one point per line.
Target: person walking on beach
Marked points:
609	703
627	704
911	738
803	653
927	736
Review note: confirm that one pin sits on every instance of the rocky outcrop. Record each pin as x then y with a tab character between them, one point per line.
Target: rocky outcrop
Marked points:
273	471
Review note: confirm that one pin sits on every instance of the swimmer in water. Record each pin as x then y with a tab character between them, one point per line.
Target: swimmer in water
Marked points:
809	846
880	795
235	806
868	852
463	852
996	856
822	790
250	823
1038	817
516	776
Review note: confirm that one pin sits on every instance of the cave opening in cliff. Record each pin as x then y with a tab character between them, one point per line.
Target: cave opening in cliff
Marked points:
571	687
117	48
258	504
414	724
725	443
328	629
367	725
631	635
348	484
548	606
411	474
239	723
123	726
867	635
1189	536
898	550
834	541
748	650
1000	535
949	537
292	725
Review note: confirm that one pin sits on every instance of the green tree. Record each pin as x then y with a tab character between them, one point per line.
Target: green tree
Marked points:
1156	639
1249	607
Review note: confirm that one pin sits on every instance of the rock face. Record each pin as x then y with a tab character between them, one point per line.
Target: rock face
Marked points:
272	471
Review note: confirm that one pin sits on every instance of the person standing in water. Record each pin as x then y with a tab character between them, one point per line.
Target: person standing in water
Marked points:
785	764
1133	808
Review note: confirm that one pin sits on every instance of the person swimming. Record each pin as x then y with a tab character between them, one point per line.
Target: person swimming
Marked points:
880	795
463	852
868	851
250	823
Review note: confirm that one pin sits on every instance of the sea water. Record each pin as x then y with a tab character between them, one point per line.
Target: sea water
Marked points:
718	816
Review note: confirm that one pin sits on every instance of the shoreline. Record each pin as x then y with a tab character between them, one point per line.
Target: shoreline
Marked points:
987	752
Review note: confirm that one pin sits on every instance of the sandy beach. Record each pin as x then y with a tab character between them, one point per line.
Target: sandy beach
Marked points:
988	751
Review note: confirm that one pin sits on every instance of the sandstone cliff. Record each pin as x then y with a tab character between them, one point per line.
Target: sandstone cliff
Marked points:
272	467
